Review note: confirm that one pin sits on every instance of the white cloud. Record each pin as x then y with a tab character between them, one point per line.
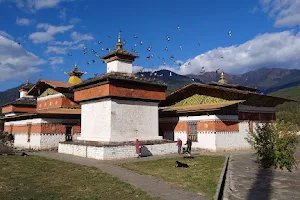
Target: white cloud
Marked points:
74	20
56	60
23	21
4	34
64	43
280	49
284	12
15	61
80	37
35	5
41	37
56	49
62	14
79	46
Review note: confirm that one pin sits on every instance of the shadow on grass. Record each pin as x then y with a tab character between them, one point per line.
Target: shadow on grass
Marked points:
261	189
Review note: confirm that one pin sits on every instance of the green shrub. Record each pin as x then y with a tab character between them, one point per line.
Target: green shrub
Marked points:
275	144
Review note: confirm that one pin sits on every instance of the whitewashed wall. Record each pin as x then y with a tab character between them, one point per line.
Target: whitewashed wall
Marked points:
96	121
206	140
111	153
119	66
134	120
233	140
51	140
21	141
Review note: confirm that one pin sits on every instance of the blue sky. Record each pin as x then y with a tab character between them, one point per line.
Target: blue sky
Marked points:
264	34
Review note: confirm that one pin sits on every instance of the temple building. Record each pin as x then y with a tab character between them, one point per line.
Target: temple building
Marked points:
45	113
103	116
215	116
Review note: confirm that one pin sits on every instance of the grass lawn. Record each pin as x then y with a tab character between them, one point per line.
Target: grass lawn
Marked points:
35	177
201	177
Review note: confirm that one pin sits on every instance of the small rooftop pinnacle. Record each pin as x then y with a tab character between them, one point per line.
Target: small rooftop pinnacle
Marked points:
119	52
75	75
222	78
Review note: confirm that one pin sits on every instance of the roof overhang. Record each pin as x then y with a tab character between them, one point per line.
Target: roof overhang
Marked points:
200	108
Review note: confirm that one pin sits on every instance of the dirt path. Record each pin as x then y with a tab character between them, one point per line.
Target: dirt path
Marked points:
153	186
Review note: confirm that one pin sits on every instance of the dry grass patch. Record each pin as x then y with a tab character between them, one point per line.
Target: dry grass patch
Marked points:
35	177
201	177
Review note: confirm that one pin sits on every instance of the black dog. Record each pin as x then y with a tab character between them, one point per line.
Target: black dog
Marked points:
180	164
24	154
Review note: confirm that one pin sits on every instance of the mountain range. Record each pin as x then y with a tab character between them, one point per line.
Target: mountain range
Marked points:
267	80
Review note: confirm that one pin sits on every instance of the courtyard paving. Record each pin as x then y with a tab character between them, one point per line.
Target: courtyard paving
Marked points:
153	186
247	181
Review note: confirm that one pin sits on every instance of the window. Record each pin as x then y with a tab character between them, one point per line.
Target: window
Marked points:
192	131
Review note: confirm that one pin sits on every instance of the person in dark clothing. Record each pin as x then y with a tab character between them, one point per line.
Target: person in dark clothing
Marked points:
189	145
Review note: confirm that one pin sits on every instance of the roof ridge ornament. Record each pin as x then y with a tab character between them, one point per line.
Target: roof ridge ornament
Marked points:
222	78
119	44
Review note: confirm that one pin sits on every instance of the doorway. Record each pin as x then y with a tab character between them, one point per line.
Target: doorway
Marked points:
192	131
68	133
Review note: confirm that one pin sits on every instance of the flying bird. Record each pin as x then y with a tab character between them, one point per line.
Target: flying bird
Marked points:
141	42
149	48
102	49
168	38
180	47
148	57
166	48
88	63
134	45
99	42
69	54
93	61
229	33
135	36
198	43
178	28
171	57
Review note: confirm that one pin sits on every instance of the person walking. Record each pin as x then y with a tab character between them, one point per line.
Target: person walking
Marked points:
179	144
189	145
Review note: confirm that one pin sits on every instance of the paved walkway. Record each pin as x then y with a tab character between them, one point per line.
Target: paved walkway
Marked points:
153	186
245	180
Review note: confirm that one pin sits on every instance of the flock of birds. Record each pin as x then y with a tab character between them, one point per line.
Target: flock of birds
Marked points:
150	55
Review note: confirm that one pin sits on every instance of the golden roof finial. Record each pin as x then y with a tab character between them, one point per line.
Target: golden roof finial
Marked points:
119	44
222	78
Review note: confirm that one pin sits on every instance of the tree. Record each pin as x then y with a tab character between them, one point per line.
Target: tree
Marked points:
275	144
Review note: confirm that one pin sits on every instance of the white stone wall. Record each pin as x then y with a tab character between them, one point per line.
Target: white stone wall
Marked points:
49	141
96	121
119	152
233	140
206	140
119	120
133	120
119	66
21	141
